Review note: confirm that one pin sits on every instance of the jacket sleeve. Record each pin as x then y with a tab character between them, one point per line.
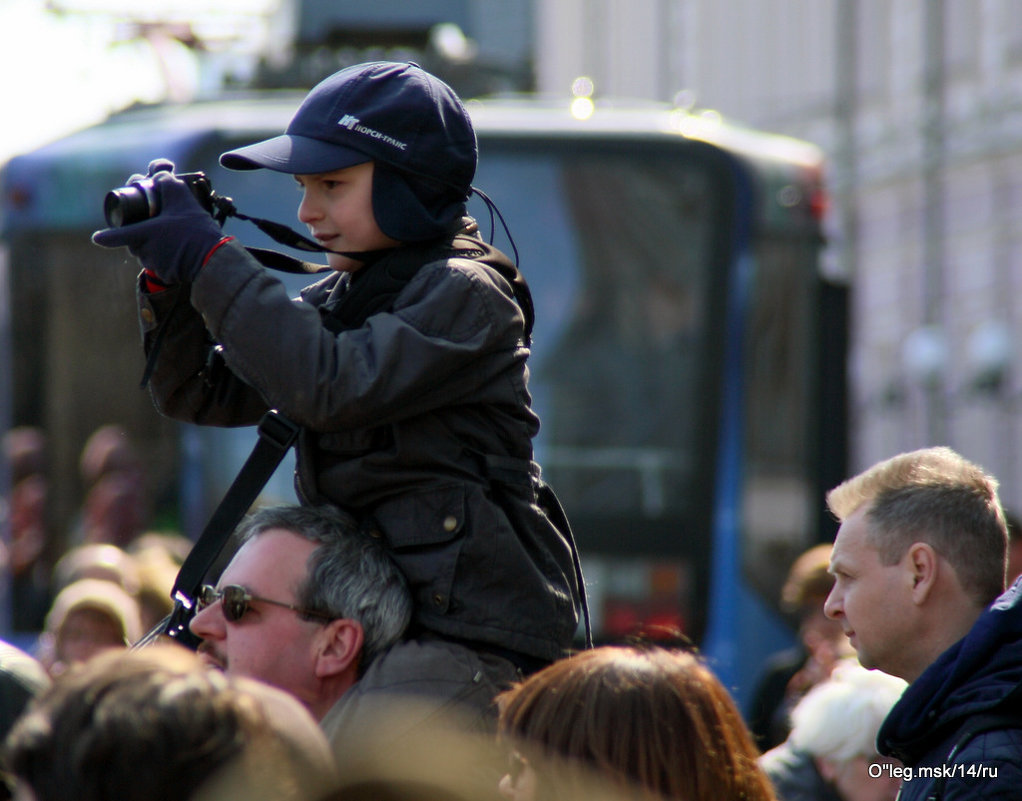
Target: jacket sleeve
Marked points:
186	382
454	328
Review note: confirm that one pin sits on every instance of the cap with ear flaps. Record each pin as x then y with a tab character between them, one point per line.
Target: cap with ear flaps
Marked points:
397	115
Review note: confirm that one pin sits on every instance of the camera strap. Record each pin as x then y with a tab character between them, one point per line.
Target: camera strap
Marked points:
276	436
284	235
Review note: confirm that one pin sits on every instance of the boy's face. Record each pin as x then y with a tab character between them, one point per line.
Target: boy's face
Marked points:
337	207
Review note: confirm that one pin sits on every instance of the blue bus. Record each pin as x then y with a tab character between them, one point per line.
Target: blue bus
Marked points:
688	358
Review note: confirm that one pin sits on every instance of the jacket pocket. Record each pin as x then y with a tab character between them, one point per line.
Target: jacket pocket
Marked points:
425	532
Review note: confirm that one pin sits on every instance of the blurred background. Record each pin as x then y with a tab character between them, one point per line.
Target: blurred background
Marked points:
912	107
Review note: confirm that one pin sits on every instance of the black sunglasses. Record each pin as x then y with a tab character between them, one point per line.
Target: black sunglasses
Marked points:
235	600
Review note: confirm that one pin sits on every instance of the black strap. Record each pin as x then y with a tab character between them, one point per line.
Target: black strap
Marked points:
276	436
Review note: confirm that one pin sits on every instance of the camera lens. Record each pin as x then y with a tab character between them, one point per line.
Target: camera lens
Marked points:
129	204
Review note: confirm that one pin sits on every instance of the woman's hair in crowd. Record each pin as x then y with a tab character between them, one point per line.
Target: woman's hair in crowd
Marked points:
652	719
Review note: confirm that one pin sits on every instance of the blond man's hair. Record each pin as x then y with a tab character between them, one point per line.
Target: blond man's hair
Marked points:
936	496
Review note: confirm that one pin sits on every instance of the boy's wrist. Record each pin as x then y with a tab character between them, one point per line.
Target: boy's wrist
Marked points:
152	282
209	255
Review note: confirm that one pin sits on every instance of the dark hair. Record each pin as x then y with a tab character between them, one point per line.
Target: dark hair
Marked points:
656	719
148	725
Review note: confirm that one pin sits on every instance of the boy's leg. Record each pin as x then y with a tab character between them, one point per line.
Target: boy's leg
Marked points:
418	684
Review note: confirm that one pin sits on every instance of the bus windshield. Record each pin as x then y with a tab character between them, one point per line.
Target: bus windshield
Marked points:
619	253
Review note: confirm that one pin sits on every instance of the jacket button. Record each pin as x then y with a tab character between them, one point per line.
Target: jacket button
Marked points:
438	599
450	523
147	315
376	534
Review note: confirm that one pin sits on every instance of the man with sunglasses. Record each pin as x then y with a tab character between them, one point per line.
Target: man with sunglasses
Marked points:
307	603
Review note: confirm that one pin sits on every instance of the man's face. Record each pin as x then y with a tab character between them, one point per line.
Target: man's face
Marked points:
269	642
870	600
337	207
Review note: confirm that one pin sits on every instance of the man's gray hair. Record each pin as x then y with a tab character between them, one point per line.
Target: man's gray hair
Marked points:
350	575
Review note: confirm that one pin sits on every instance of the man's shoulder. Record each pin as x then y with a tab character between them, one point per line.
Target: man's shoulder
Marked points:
1001	743
982	765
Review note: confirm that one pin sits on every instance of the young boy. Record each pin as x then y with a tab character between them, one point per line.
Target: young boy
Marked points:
405	367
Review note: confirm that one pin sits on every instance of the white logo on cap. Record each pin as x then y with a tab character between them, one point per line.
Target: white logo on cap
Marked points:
355	125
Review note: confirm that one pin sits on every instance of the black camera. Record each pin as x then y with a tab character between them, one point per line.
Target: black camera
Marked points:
140	201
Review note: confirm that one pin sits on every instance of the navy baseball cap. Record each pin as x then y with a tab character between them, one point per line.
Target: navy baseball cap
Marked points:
409	122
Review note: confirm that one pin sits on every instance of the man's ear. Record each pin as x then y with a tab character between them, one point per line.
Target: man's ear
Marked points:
923	563
339	647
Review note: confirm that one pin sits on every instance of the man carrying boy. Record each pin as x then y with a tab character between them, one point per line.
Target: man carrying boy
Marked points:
405	368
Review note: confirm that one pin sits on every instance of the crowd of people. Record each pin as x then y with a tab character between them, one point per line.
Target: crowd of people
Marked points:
908	661
407	630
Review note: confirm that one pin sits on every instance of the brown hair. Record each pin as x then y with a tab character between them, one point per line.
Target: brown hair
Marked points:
151	725
655	719
808	583
936	496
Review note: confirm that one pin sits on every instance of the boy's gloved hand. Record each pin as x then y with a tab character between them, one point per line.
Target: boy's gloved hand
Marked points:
175	243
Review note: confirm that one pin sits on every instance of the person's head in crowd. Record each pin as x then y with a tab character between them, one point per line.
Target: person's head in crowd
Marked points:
921	551
803	595
28	522
808	584
24	449
642	717
170	545
22	677
837	723
108	450
157	564
153	725
305	604
97	561
115	509
87	617
790	672
833	738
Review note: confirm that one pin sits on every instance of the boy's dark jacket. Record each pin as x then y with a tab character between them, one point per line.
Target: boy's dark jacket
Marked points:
419	418
972	677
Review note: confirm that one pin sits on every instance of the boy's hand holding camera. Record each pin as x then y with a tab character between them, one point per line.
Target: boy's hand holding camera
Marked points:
174	244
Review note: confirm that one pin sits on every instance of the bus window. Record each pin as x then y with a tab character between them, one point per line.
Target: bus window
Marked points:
779	368
618	251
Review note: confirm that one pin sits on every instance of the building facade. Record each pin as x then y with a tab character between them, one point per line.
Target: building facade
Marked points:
918	104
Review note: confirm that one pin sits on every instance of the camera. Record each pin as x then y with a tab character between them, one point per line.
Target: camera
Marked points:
140	200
